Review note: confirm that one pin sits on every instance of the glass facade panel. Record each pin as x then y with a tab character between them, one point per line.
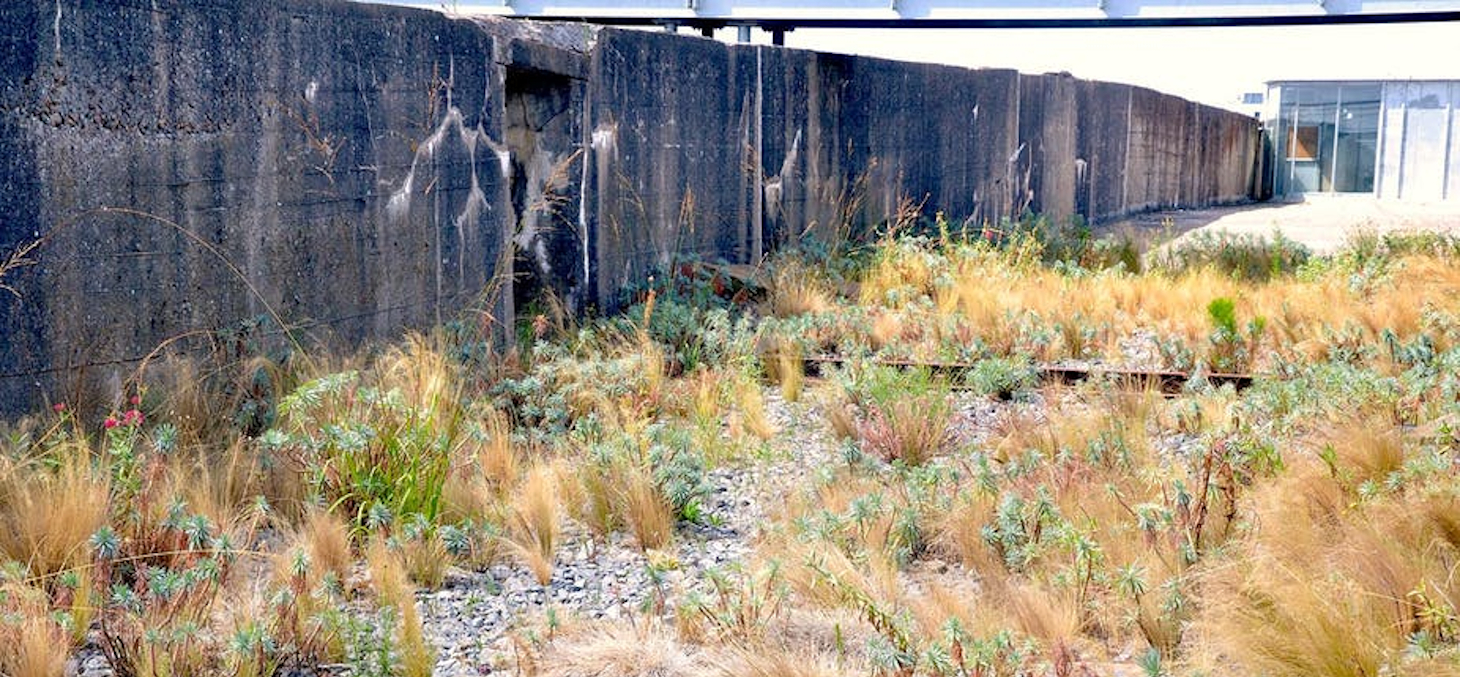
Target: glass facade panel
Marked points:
1358	135
1326	136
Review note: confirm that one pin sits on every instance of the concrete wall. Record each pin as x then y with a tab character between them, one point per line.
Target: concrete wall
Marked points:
726	150
354	170
1419	141
195	164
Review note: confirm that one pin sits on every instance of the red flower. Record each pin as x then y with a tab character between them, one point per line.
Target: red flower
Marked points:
136	400
132	417
110	422
58	407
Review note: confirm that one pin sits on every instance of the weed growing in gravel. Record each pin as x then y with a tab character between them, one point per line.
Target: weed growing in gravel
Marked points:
904	414
535	522
388	577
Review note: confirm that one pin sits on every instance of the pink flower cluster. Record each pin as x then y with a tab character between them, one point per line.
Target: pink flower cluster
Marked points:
130	418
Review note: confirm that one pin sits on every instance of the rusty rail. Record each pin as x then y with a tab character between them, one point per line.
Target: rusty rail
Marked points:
1167	381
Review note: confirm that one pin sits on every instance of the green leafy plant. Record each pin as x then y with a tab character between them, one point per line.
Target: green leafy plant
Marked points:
371	451
1002	377
904	414
1232	348
1242	256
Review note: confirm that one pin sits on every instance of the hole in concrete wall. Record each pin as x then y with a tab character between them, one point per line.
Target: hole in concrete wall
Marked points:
541	134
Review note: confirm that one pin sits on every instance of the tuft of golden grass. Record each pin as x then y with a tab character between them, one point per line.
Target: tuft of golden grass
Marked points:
1363	450
706	388
420	368
32	644
796	289
620	650
652	365
326	539
839	411
750	404
826	576
900	272
47	516
81	604
790	370
647	512
475	489
223	486
1330	585
392	588
496	456
426	559
591	497
1050	615
958	532
885	330
911	430
534	522
771	661
1278	622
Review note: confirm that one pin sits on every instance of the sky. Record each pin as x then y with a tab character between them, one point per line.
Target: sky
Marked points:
1211	65
1214	65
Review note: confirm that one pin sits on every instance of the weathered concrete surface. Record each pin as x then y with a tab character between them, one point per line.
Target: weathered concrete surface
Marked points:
351	170
728	150
190	165
666	133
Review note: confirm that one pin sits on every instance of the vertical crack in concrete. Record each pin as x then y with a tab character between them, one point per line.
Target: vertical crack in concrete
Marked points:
757	207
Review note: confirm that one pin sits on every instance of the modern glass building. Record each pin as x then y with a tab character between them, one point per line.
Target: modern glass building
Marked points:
1393	139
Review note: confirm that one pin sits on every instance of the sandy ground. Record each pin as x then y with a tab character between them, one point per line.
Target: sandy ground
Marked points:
1322	223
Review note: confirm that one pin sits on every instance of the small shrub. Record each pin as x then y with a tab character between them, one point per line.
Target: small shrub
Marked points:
1232	349
1242	256
905	414
157	617
372	447
740	605
1002	377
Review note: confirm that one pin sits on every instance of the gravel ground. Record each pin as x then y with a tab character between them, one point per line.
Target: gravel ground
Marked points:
472	617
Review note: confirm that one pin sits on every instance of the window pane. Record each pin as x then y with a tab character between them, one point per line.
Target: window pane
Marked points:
1358	134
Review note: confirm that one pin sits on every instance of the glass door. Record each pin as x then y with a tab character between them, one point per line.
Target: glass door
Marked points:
1356	144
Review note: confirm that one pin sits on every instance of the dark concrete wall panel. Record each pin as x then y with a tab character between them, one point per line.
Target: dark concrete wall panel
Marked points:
666	123
194	164
355	170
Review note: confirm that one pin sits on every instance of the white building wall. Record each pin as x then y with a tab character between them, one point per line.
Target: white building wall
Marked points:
1419	133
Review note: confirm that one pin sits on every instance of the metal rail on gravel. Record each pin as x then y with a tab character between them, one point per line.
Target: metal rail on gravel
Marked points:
1166	381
